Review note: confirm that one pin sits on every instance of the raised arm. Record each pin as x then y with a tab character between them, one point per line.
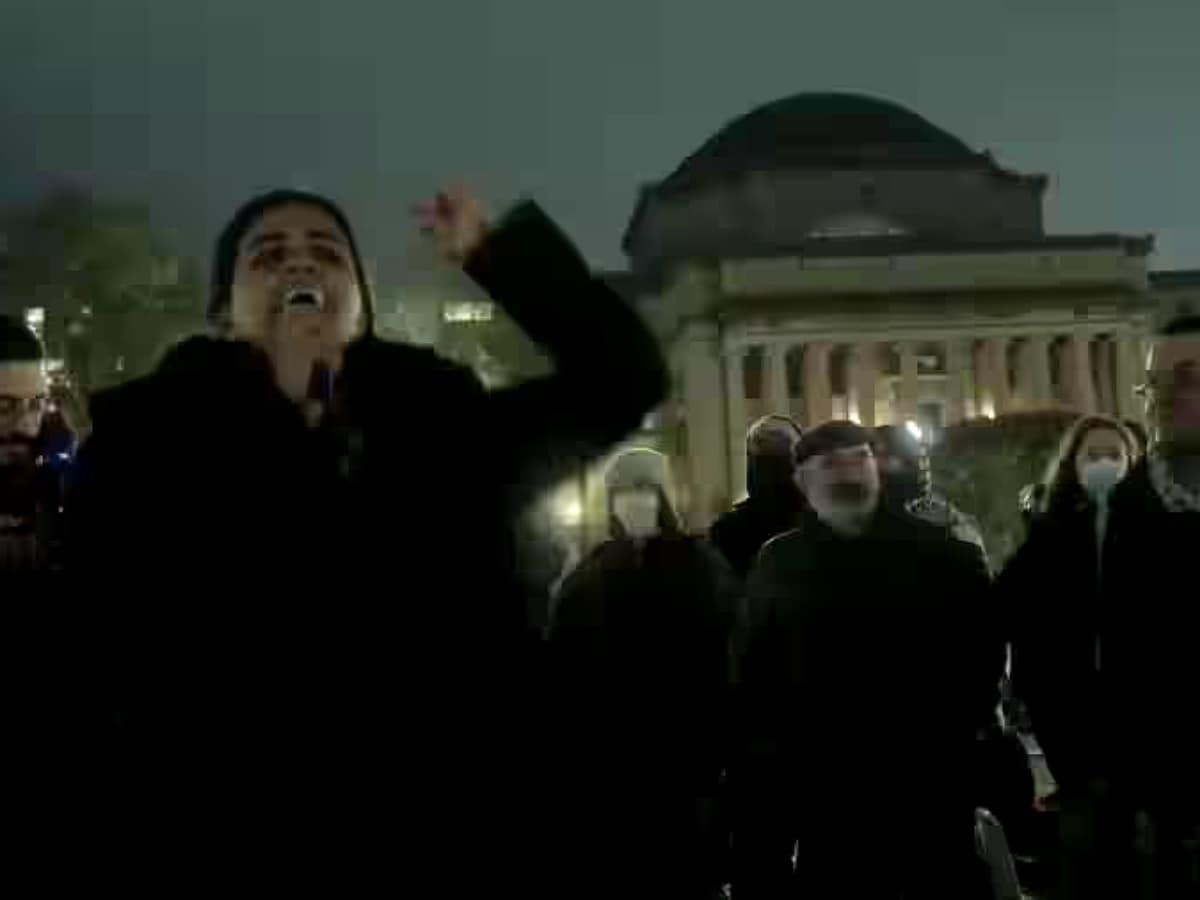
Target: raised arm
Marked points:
608	371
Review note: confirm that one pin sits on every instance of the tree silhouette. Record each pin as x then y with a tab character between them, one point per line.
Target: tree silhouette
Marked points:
115	295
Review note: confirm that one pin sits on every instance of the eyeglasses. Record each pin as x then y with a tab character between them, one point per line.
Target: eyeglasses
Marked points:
13	407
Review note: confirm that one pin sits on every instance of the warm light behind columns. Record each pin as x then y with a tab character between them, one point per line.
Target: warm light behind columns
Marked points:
736	424
775	379
1129	376
707	444
996	356
1079	368
818	392
1033	373
864	376
959	365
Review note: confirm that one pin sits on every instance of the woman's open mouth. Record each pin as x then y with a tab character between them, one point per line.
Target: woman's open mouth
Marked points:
304	299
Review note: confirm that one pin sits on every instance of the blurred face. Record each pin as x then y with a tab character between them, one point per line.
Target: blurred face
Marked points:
777	439
1101	462
842	487
771	451
637	509
1102	445
295	293
23	401
1175	393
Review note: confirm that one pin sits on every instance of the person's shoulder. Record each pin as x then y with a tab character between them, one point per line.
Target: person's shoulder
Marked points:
783	549
1136	490
195	368
933	540
730	520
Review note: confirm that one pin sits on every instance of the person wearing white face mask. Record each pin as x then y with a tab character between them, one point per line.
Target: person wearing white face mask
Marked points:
1107	648
1056	596
639	662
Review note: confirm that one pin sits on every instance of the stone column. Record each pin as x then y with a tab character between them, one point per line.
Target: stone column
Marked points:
1033	373
704	417
1083	396
997	360
908	382
775	378
737	423
818	392
958	364
1038	361
1129	376
864	375
1106	375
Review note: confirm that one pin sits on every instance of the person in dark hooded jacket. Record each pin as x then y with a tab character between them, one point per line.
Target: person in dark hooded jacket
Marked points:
310	657
773	504
640	649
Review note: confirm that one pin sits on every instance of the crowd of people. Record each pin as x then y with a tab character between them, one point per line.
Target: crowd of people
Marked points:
289	639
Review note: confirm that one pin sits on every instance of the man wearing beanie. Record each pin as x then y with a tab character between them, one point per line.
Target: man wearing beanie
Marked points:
866	673
772	504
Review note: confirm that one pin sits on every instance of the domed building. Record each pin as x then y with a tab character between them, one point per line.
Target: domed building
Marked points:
838	256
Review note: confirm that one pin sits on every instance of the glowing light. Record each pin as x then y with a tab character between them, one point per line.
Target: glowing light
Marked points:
571	513
914	429
988	409
35	320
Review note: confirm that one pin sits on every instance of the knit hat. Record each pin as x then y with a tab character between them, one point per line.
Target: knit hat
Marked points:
640	467
830	436
226	252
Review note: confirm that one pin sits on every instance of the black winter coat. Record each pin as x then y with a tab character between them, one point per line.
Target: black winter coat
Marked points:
1110	666
640	646
869	666
310	660
742	532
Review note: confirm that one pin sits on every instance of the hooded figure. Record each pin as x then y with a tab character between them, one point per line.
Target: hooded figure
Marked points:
640	656
297	535
773	503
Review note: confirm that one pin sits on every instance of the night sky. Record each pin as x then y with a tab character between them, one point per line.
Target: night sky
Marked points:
189	105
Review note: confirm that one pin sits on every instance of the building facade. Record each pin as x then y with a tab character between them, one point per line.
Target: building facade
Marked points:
835	256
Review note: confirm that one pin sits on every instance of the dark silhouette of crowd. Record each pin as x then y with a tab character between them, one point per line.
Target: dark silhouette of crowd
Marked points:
286	637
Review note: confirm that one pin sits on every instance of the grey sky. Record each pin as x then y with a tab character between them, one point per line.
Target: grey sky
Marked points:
192	104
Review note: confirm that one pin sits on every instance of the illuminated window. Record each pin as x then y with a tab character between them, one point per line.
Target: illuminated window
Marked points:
857	225
468	311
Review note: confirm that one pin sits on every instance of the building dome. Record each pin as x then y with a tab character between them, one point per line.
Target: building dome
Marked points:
829	131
